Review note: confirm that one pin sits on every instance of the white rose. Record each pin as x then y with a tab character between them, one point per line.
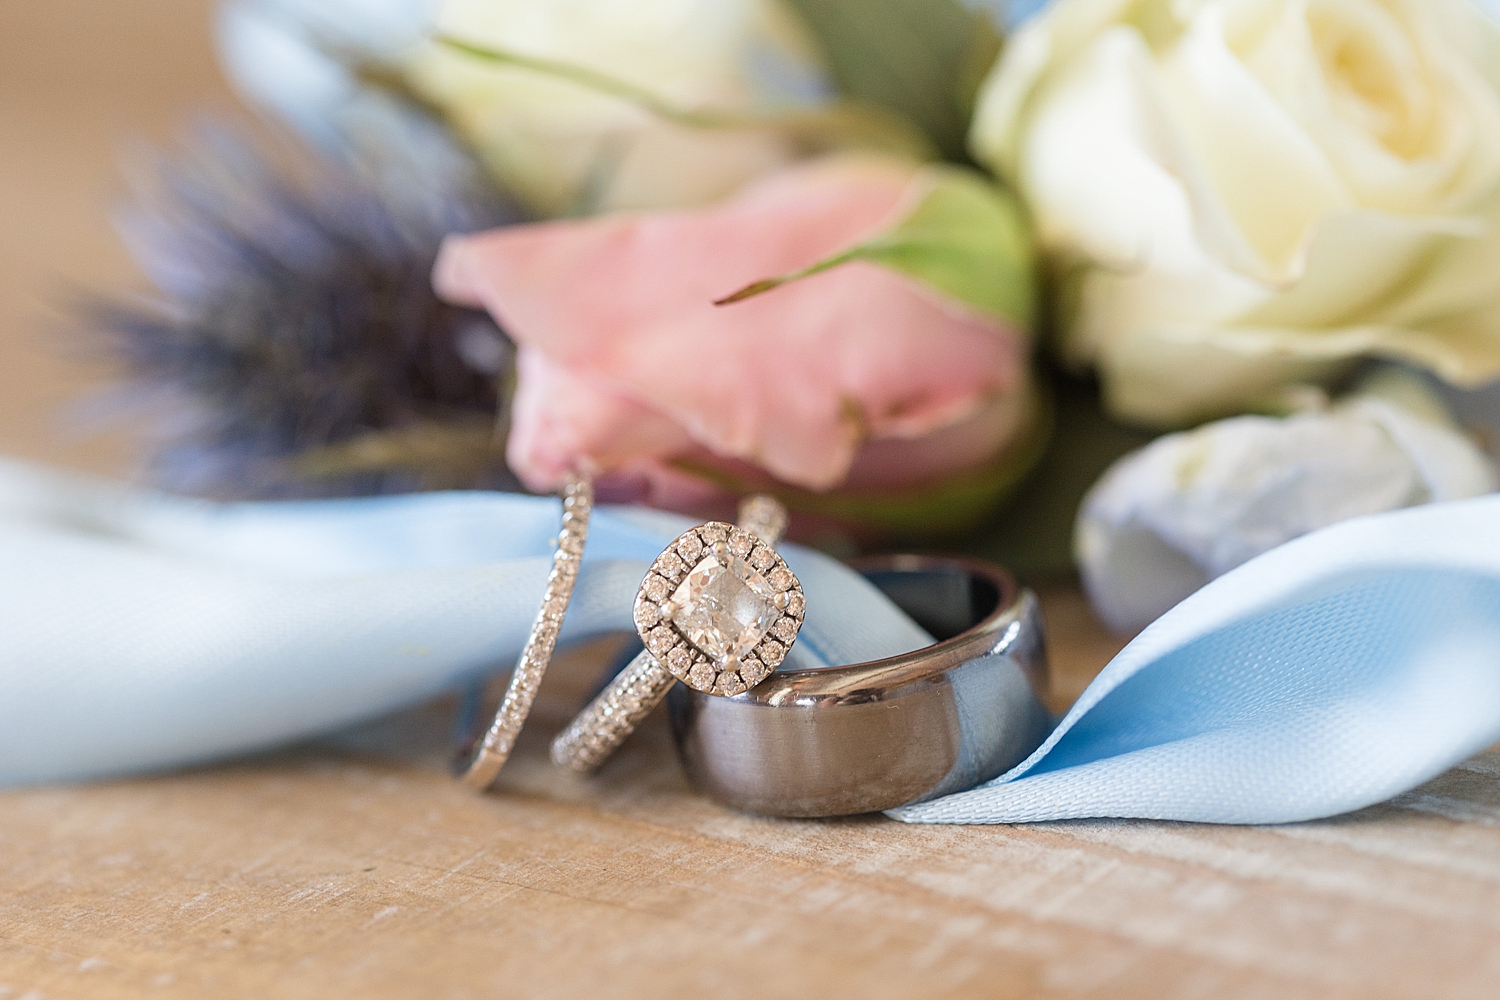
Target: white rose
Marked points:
1245	194
558	144
1194	505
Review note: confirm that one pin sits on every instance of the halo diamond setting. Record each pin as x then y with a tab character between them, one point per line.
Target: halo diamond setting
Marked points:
719	609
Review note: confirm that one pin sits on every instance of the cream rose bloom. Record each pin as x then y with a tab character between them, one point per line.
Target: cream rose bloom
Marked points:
557	143
1244	194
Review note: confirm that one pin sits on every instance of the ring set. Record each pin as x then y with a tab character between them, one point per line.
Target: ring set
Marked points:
718	611
717	614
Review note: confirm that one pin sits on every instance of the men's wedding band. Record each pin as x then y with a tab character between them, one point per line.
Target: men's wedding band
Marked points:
872	736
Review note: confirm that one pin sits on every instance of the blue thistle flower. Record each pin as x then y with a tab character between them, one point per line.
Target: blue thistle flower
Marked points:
294	346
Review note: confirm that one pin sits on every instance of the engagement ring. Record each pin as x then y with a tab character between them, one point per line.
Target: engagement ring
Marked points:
719	610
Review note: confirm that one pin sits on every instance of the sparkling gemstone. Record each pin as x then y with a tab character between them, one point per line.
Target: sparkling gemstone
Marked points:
724	607
670	565
690	548
754	671
729	683
786	628
702	676
659	640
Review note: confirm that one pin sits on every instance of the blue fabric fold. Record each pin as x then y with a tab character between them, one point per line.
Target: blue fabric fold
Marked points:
141	632
1329	674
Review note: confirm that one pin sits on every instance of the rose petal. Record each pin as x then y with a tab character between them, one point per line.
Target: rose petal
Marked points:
793	380
1230	209
559	418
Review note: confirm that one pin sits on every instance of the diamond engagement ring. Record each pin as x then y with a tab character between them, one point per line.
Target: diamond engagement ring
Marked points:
718	610
479	764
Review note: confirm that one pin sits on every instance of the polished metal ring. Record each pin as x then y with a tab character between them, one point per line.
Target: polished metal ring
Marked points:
480	761
718	611
872	736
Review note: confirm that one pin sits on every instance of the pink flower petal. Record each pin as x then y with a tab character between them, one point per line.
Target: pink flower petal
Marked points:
561	420
793	381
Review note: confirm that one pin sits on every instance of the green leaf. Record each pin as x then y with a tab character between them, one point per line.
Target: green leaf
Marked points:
964	236
914	58
843	124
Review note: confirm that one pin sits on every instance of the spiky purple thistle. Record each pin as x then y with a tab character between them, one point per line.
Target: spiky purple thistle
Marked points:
293	345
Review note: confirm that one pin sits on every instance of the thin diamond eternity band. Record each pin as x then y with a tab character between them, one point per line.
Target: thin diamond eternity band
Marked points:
480	763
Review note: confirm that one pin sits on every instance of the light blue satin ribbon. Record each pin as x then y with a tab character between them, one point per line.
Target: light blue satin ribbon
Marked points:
141	632
1329	674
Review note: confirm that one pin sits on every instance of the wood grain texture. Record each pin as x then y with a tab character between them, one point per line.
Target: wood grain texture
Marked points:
356	867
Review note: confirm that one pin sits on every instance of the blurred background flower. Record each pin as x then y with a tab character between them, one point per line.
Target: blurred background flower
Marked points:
294	346
561	147
566	149
1194	505
1257	193
858	379
302	62
581	108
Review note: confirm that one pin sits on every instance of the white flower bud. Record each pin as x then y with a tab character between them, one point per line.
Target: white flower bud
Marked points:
1191	506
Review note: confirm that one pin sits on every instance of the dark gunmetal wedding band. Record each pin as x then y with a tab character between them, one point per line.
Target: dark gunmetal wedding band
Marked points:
843	740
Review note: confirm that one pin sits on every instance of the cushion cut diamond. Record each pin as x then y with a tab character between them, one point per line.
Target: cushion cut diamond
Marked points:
724	607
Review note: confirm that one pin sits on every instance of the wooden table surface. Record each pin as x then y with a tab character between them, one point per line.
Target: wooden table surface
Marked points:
354	867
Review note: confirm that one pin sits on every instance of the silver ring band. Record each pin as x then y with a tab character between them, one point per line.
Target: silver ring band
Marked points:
607	721
878	735
479	764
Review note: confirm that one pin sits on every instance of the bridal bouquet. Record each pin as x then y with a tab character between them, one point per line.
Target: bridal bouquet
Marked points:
917	267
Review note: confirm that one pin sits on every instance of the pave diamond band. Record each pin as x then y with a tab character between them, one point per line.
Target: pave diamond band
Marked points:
480	763
763	516
601	727
718	610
